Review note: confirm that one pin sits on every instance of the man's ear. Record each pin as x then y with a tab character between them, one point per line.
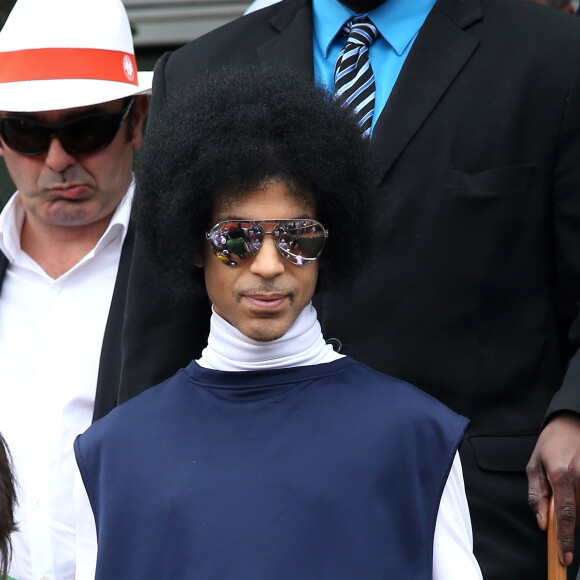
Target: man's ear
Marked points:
199	261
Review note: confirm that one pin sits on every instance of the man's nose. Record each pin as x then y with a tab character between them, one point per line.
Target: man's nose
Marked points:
268	262
57	158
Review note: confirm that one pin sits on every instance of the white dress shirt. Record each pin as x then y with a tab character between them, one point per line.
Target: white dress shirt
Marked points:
51	333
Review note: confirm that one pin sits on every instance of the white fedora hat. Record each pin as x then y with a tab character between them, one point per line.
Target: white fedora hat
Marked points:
59	54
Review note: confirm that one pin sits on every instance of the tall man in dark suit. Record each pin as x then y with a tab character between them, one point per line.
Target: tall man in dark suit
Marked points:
474	288
70	121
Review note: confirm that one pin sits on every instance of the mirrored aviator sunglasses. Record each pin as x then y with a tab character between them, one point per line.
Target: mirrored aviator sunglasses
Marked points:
300	241
87	134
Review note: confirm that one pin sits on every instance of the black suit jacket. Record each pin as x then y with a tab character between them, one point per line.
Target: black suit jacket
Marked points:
106	395
474	288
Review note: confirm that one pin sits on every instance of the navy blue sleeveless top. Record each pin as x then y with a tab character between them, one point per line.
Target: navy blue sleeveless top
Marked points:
325	472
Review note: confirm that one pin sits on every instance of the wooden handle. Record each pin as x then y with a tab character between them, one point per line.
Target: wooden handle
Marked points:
556	570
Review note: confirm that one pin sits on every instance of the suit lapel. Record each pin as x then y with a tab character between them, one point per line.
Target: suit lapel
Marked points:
439	53
3	268
106	396
441	50
292	45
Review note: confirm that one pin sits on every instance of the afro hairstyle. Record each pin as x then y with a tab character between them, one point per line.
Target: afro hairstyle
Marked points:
230	134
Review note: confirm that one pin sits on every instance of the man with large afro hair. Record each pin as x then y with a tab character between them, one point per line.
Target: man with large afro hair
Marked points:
272	455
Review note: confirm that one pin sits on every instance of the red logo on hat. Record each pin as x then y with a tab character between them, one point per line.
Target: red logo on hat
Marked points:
128	67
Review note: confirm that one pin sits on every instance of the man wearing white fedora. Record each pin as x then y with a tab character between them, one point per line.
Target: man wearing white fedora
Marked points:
71	114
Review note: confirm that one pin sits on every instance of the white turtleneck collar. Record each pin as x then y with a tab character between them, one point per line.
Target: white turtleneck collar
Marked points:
230	350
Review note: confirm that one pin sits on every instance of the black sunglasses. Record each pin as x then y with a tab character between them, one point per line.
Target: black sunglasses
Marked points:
300	241
82	135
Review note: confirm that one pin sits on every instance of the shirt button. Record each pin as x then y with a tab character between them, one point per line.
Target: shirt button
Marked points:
37	504
57	289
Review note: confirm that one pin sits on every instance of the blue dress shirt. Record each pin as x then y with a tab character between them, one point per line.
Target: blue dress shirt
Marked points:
398	22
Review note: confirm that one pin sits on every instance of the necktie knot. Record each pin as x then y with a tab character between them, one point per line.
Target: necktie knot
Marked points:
360	31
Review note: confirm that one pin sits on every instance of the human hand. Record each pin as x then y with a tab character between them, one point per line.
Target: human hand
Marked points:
554	468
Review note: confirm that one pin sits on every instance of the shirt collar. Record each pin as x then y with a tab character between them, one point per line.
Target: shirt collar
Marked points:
12	219
119	223
398	21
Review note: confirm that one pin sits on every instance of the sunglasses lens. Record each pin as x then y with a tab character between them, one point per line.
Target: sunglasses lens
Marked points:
24	136
89	134
300	241
234	242
83	135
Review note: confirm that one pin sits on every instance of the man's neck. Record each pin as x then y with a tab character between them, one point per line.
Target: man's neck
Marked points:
57	249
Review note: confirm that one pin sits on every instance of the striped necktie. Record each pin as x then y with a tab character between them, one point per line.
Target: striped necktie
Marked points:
354	81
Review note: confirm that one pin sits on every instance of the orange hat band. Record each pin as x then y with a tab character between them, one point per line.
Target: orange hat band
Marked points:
41	64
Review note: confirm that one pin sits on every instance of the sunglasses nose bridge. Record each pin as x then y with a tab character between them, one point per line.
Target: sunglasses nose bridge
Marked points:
57	156
61	135
268	262
274	236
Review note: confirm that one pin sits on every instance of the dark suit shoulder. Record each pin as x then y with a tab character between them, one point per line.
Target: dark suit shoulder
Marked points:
234	43
527	44
520	20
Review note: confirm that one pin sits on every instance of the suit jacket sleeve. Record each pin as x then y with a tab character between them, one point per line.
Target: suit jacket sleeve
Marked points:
566	216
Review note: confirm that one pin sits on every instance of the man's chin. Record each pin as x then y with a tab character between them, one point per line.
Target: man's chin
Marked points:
266	331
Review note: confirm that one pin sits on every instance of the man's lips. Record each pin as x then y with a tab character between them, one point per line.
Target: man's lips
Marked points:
266	301
72	192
